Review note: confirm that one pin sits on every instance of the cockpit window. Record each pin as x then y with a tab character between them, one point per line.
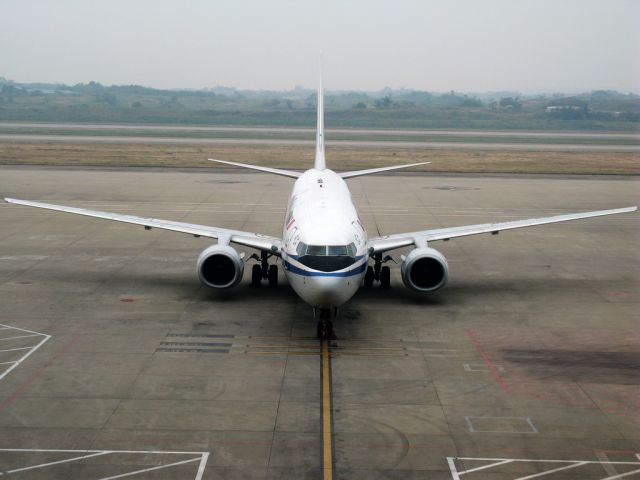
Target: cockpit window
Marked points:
337	250
326	258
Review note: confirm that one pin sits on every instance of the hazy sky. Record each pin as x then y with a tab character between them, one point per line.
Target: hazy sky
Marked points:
437	45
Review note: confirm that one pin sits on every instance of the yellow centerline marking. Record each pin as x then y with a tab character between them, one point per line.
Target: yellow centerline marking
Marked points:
327	448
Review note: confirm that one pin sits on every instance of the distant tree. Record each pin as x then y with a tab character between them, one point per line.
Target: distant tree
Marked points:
360	106
470	102
109	98
511	102
136	105
384	102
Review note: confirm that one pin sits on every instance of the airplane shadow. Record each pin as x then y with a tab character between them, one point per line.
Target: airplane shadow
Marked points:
593	366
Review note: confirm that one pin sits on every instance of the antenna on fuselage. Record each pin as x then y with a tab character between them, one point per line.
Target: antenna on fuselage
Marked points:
319	163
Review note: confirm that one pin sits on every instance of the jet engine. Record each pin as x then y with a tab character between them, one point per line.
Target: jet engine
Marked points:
425	270
220	266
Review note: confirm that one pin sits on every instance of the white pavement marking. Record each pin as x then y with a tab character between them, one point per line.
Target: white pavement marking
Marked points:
19	336
602	456
201	457
626	474
527	420
42	465
481	367
456	474
33	348
14	349
553	470
488	465
452	468
144	470
202	466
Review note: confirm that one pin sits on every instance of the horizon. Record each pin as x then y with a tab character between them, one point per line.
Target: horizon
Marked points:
328	90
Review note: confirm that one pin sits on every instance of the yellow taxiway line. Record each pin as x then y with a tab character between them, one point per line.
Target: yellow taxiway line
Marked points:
327	447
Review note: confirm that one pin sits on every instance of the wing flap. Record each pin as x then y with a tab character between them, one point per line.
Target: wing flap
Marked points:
249	239
391	242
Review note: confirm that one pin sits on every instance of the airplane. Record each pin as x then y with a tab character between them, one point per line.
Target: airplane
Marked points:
324	249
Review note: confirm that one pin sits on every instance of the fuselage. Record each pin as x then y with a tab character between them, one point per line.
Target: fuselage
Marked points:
324	252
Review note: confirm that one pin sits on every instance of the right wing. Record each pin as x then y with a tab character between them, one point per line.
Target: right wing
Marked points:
276	171
249	239
391	242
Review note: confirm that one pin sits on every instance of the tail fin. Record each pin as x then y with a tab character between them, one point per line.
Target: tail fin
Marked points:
319	163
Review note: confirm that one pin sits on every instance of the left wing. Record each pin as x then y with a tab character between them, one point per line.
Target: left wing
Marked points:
249	239
390	242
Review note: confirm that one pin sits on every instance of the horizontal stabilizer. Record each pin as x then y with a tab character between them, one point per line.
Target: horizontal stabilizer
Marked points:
276	171
359	173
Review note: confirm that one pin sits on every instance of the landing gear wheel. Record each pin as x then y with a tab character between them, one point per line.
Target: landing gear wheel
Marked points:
256	275
385	278
368	277
273	276
324	329
328	330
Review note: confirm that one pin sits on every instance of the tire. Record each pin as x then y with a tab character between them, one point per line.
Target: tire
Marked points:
329	330
256	275
368	277
273	276
385	277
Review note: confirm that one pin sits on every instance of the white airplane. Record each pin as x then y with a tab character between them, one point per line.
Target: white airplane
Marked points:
324	249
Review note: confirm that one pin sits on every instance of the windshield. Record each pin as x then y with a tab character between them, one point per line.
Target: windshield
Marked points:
326	258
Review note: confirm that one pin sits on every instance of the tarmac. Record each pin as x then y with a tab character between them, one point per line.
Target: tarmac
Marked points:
115	362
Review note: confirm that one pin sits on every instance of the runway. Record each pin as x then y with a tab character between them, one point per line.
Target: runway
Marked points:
556	147
348	131
524	366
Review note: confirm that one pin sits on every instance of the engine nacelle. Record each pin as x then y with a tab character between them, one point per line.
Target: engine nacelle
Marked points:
220	266
425	270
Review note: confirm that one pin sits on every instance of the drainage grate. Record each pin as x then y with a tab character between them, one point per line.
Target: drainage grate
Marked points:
194	343
197	335
197	344
192	350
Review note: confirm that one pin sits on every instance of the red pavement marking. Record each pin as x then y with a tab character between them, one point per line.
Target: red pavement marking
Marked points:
24	386
504	386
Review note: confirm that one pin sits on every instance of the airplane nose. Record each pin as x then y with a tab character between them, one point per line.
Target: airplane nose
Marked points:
329	292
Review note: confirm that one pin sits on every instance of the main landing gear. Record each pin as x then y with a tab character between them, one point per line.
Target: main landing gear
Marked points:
264	271
324	328
378	273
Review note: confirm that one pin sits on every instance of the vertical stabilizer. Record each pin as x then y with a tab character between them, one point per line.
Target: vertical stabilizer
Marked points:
319	161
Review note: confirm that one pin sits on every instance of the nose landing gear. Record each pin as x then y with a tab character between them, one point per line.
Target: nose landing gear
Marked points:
324	328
